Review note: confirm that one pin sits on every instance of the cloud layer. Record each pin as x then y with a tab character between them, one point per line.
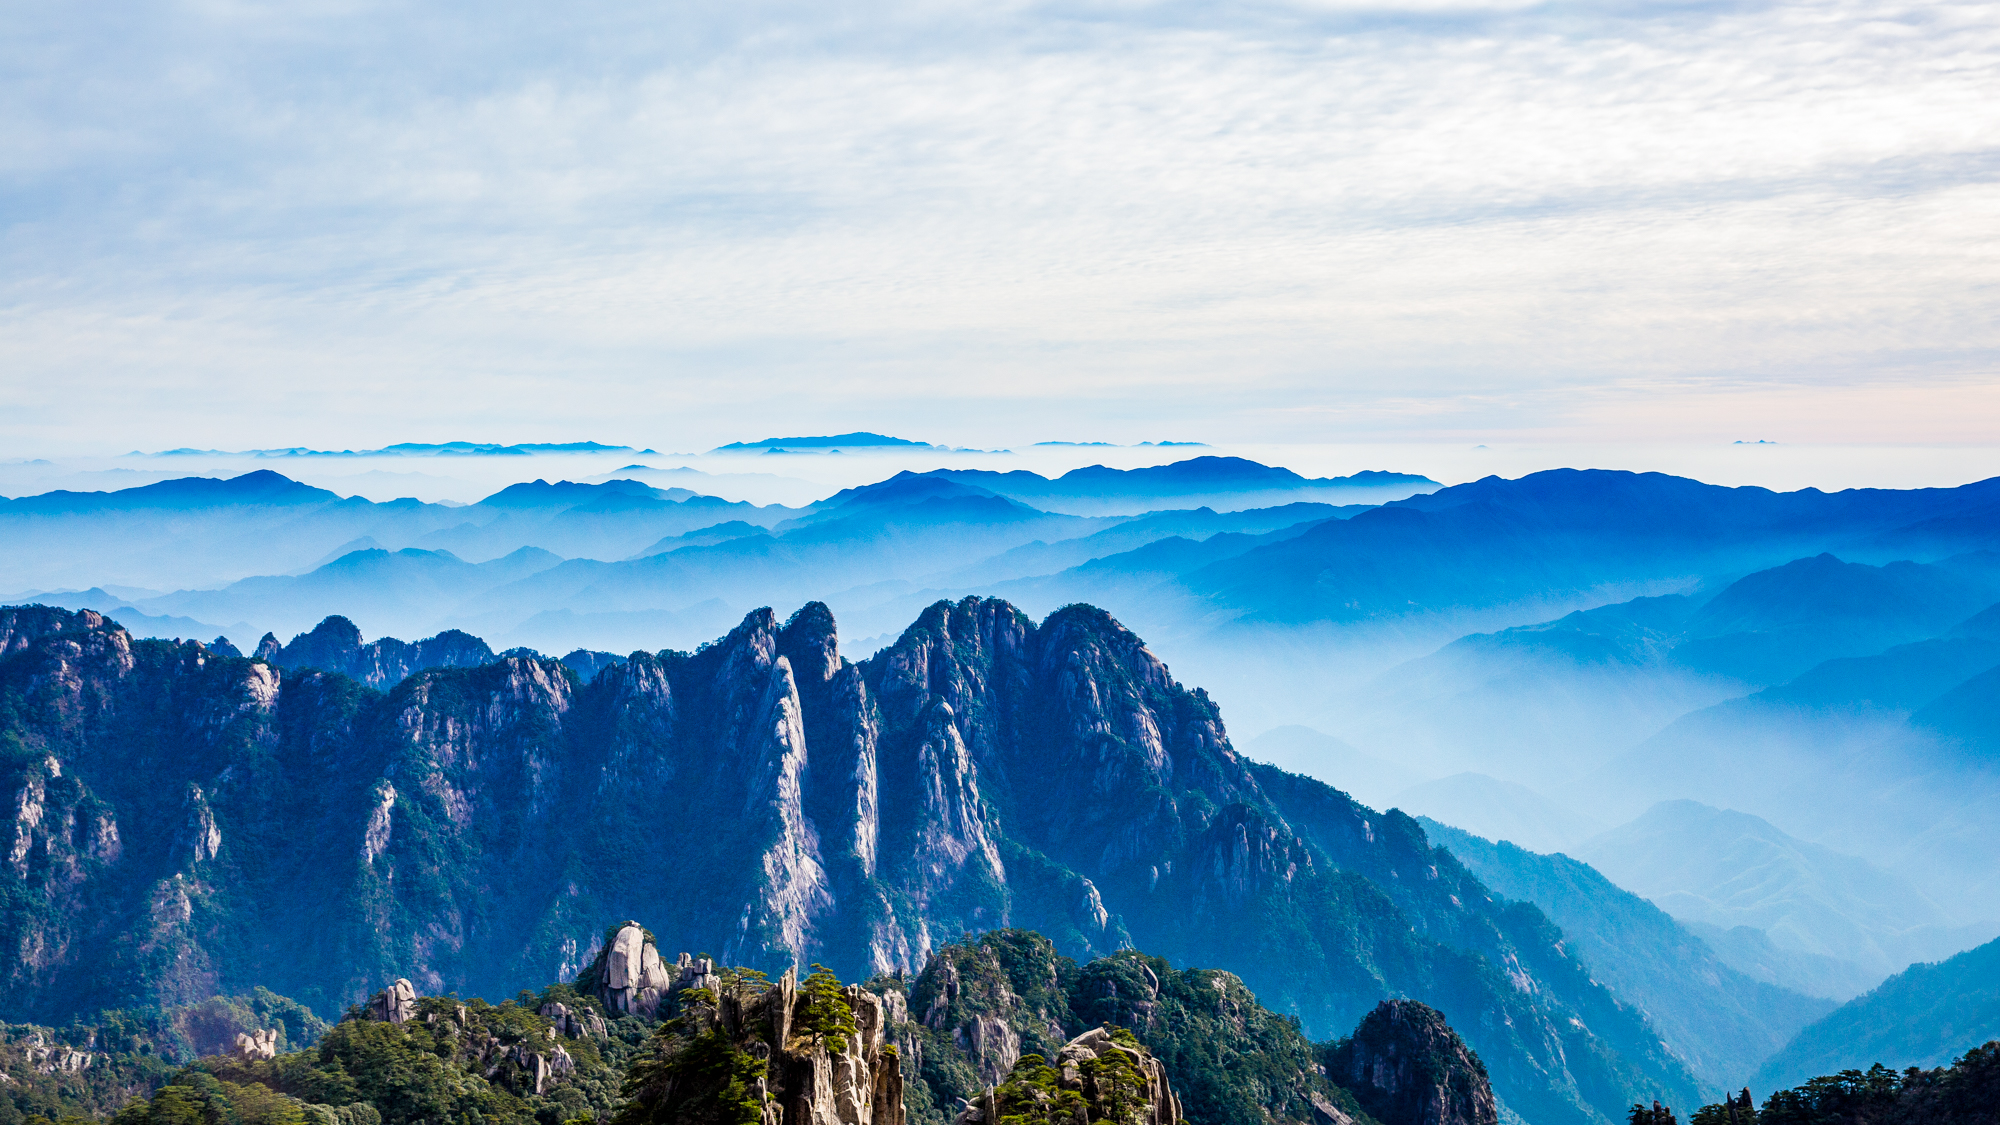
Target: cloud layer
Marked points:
348	222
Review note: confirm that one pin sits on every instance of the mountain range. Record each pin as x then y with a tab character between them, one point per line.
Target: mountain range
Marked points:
763	796
1770	713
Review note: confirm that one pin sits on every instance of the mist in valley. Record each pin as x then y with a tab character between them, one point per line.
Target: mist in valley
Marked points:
1766	714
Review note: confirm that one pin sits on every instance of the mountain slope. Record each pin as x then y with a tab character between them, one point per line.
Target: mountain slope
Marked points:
381	588
1728	868
763	797
1925	1016
1722	1022
980	1004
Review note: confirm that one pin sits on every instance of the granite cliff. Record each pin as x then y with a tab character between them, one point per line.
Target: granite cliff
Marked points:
762	797
1408	1067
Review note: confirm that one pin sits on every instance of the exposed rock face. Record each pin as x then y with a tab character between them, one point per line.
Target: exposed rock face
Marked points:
767	798
1408	1067
539	1066
55	1058
574	1024
259	1044
627	975
632	979
394	1004
810	1076
992	1046
1249	1063
1078	1070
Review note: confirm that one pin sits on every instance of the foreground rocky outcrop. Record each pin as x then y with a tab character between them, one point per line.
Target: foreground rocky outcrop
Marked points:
187	822
740	1048
1007	1009
1102	1075
1408	1067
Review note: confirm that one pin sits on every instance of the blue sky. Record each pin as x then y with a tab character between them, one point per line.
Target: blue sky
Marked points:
242	224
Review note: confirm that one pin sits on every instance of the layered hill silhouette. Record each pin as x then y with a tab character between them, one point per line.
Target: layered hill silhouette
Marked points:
1723	1021
1720	869
763	796
1926	1016
1230	482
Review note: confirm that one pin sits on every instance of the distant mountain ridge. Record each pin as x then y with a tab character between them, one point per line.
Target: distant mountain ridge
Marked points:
1224	481
857	440
1925	1016
1724	1023
1727	869
418	449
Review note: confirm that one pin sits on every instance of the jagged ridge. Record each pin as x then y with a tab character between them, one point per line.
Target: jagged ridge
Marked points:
762	796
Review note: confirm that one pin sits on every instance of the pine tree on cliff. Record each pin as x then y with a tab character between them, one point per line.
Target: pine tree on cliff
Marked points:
692	1074
826	1012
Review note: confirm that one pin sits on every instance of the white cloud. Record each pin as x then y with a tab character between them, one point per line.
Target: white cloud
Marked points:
263	224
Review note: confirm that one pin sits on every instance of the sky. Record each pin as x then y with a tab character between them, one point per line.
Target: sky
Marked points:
346	224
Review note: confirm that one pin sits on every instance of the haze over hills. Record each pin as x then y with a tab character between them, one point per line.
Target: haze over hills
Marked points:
416	449
1529	660
1924	1016
264	523
1301	613
1223	482
1724	1022
1725	869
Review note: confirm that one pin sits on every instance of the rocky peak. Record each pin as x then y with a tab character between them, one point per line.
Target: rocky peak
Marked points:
627	976
1118	1080
973	654
394	1004
1406	1066
23	625
811	642
741	658
332	646
335	645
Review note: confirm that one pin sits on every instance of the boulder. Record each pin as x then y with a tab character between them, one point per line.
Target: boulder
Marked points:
575	1024
259	1044
629	977
394	1004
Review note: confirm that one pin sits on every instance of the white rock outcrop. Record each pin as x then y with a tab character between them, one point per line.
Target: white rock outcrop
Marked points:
394	1004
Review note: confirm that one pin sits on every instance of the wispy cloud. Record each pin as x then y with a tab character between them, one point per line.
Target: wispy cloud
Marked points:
264	223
